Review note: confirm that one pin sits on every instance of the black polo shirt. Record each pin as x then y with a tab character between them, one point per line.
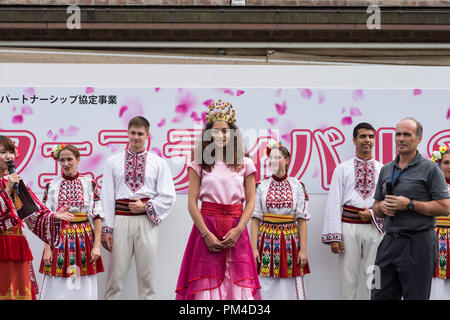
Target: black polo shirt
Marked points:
420	180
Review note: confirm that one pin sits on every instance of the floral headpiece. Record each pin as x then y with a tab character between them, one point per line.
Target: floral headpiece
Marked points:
217	112
436	155
56	150
272	145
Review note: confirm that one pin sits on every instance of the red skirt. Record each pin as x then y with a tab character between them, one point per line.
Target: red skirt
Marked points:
442	230
279	246
17	280
74	253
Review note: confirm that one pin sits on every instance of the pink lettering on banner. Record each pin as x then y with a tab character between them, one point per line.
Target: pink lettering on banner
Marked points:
85	149
385	144
180	143
261	161
326	141
300	152
26	142
439	139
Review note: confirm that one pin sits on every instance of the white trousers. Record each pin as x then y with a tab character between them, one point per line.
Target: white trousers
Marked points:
440	289
133	236
360	246
76	288
282	288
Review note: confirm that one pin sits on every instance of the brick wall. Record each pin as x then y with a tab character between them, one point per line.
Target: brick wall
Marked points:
346	3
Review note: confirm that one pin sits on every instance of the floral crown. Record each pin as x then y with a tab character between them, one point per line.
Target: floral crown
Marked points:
436	155
217	112
56	150
272	145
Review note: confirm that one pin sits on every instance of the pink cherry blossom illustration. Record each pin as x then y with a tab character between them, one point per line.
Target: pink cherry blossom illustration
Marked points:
131	108
355	112
195	117
272	121
346	121
162	122
357	94
185	104
157	151
315	173
306	93
29	92
228	91
91	162
71	131
208	102
17	119
122	111
281	108
287	138
26	110
321	97
50	134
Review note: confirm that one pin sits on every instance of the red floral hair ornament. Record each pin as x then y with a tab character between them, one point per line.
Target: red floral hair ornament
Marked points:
270	146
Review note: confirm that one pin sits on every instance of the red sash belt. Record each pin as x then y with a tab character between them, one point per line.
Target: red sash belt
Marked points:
225	214
351	215
122	208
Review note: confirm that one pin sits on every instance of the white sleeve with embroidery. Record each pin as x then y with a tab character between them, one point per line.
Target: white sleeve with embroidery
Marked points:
7	217
302	209
95	204
49	197
258	212
160	206
108	198
43	223
332	225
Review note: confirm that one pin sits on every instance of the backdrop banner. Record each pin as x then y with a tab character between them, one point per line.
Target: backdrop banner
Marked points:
315	124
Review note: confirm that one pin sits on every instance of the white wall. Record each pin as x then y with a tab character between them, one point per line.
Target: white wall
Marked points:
323	282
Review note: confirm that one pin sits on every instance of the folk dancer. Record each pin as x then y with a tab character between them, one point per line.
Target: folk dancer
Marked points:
350	227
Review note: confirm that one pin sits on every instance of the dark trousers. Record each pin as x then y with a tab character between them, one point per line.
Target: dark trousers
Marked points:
406	265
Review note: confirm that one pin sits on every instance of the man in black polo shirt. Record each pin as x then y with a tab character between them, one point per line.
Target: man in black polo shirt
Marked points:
408	253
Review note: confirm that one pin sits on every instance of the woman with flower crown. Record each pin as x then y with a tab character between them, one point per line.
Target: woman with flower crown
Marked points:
70	269
19	205
440	284
218	261
278	230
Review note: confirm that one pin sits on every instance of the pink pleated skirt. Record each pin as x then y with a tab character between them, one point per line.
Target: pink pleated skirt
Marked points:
227	275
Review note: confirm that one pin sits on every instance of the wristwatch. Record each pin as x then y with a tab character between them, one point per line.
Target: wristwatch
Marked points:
411	205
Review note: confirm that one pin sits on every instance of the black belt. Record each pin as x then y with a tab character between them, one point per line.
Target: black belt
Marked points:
406	233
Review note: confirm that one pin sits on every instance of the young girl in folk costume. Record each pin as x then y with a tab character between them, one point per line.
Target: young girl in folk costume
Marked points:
278	230
440	285
78	255
19	205
218	262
